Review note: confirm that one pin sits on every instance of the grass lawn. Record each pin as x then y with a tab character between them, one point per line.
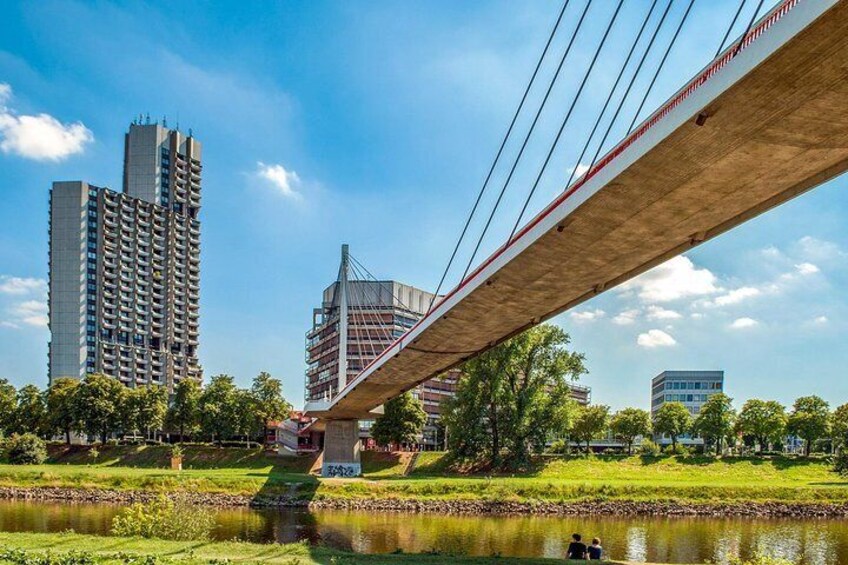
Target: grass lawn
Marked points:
121	550
555	479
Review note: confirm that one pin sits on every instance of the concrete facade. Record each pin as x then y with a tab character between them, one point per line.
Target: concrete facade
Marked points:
342	449
690	388
125	267
756	128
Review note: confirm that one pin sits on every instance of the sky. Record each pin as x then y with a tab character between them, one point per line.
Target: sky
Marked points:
374	124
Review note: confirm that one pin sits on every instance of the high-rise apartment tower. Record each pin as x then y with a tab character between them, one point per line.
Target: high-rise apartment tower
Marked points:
125	267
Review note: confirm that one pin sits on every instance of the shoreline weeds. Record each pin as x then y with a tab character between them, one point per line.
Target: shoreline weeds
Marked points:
751	509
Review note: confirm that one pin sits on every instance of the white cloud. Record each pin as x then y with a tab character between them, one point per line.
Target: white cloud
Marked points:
41	137
742	323
696	315
31	313
815	249
579	170
9	325
655	338
806	268
675	279
660	313
820	320
19	285
735	296
587	315
282	180
625	317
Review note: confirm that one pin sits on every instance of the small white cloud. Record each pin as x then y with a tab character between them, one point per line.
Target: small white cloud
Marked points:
282	180
660	313
815	249
820	320
587	315
735	296
806	268
579	170
742	323
675	279
625	317
697	315
655	338
41	137
9	325
31	313
20	285
772	252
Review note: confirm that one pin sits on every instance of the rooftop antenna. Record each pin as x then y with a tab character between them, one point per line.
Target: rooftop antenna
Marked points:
164	121
189	132
178	121
148	118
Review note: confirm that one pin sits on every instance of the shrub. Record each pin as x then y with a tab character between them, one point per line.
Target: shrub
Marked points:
559	447
23	557
648	447
840	462
679	450
176	450
164	519
25	449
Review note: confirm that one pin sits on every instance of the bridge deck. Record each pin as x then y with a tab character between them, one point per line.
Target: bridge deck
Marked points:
777	126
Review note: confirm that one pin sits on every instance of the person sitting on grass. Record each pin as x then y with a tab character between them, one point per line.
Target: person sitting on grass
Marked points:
576	549
595	550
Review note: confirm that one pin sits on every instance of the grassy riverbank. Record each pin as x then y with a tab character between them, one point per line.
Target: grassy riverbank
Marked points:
251	473
130	550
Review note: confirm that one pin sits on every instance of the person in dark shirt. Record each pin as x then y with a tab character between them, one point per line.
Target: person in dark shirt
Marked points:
576	549
595	550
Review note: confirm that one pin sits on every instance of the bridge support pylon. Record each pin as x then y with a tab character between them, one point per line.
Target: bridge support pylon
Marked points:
341	449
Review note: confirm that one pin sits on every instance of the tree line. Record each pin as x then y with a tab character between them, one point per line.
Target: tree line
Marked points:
515	401
101	407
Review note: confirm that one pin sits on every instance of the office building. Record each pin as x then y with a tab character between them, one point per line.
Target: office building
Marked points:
691	388
125	267
377	313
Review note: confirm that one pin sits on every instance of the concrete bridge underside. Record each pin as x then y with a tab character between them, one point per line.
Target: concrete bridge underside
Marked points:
773	124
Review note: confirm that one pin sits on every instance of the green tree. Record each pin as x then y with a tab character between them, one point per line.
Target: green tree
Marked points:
591	422
809	420
629	423
245	422
269	403
674	420
99	400
61	407
716	419
219	407
402	421
8	406
184	412
763	420
30	412
839	427
509	395
152	403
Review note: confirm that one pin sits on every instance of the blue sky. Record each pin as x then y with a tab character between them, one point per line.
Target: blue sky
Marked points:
374	124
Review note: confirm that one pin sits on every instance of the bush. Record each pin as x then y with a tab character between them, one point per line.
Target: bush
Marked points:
164	519
760	560
560	447
679	450
840	462
26	449
648	447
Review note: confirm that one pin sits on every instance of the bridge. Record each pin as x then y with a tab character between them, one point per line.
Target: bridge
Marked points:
764	122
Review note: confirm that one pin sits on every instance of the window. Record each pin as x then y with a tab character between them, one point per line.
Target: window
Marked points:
688	398
698	386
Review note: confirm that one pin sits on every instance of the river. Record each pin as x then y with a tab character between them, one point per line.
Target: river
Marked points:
658	540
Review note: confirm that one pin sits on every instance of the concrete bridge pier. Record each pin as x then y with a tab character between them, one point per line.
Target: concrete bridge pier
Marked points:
341	449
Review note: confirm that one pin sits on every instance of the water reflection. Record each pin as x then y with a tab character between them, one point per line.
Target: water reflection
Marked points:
660	540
